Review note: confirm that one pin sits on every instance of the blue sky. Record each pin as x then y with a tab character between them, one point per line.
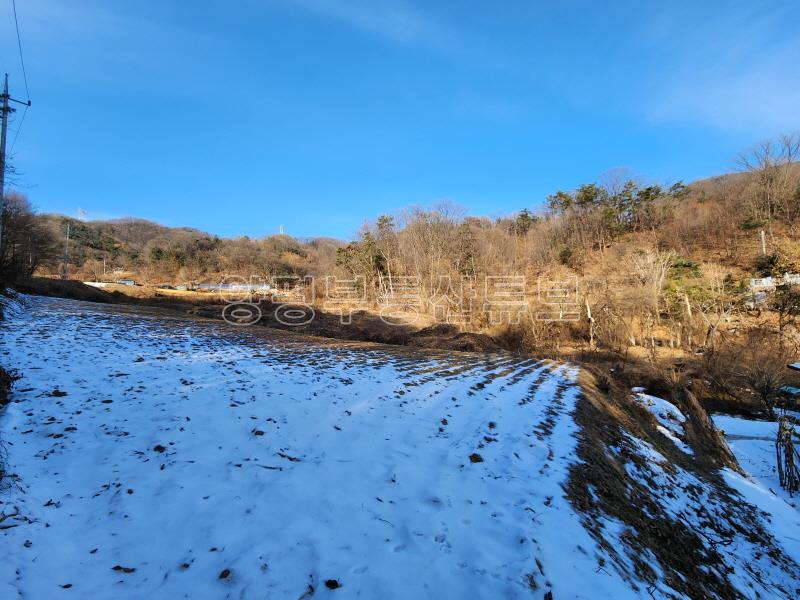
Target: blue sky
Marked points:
237	117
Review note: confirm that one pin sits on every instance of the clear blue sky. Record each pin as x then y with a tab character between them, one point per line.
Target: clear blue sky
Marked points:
237	117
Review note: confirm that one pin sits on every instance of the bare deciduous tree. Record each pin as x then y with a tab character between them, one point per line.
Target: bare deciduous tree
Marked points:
772	163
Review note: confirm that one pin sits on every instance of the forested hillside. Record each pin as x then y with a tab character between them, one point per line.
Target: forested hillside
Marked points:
159	254
662	272
709	225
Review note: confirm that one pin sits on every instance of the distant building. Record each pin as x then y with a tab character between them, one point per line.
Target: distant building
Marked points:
233	287
765	284
126	282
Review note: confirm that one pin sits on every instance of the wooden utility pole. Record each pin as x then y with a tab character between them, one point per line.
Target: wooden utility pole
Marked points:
5	110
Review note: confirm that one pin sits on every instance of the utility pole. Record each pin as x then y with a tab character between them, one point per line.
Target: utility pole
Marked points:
5	110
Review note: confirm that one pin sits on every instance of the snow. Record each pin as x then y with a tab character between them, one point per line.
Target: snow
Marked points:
783	519
151	456
687	499
361	473
753	445
671	419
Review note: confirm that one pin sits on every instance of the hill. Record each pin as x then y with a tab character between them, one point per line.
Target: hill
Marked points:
155	253
660	276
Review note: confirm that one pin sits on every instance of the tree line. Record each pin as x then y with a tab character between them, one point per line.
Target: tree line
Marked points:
657	262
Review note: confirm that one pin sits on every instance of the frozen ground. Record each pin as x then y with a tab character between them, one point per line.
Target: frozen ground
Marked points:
670	419
753	444
156	457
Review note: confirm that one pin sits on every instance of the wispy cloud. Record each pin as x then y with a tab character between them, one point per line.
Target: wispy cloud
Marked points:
394	20
737	73
100	44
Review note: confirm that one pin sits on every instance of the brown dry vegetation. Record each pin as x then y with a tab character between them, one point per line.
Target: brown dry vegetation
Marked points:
600	487
662	275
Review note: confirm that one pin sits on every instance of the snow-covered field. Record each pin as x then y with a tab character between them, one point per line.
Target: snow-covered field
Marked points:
156	457
753	445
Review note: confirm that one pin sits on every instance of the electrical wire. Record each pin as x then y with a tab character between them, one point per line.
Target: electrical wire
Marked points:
24	77
19	46
16	134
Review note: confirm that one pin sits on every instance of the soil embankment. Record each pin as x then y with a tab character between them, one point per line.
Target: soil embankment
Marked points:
365	326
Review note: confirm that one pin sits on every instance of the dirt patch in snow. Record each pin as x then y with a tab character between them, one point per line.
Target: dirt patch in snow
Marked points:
449	337
6	382
42	286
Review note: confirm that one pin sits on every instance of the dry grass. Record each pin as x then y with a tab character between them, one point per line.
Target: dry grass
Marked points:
600	487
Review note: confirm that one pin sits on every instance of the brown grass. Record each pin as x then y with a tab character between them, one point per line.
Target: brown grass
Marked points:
599	487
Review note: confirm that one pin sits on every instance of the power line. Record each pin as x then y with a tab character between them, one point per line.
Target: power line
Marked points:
24	77
19	127
19	46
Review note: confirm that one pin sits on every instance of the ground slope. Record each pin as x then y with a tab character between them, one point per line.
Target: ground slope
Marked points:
154	456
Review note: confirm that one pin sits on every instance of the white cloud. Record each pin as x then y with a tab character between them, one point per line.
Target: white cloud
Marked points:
394	20
96	45
737	73
761	97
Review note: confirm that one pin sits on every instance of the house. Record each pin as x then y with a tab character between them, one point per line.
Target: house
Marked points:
765	284
233	287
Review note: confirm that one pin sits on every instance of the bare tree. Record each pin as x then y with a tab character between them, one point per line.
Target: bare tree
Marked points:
761	367
786	303
650	268
772	163
27	241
